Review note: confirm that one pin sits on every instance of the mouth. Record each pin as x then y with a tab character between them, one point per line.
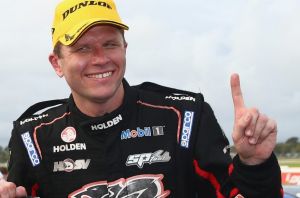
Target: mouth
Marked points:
100	75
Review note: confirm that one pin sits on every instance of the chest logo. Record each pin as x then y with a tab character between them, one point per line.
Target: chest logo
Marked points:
107	124
68	165
136	186
148	158
68	134
139	132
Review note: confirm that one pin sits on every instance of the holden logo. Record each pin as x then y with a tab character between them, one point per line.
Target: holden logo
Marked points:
68	134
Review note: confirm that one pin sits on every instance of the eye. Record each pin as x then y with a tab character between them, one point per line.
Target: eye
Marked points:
111	44
83	48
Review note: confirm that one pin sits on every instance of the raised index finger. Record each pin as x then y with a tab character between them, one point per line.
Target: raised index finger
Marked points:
236	92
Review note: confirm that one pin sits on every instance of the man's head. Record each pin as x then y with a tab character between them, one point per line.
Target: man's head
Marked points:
73	17
90	52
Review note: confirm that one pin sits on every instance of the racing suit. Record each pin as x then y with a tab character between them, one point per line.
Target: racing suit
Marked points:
161	142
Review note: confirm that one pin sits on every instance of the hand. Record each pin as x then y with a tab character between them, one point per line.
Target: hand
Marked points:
9	190
254	134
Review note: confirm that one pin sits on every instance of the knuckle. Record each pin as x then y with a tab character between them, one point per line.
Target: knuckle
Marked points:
264	118
271	126
254	110
11	185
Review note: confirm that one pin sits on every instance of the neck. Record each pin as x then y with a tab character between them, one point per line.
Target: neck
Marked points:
99	107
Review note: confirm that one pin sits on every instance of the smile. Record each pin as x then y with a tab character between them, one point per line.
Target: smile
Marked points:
100	76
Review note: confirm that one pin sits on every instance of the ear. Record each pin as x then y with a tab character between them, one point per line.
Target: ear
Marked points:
54	60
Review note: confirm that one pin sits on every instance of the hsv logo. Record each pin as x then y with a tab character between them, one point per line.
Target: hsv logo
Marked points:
187	128
68	165
34	158
148	158
156	131
107	124
68	134
134	187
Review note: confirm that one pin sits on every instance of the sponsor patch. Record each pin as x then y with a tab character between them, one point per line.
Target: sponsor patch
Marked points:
68	165
180	97
33	119
34	158
107	124
68	134
145	132
186	128
69	147
148	158
136	186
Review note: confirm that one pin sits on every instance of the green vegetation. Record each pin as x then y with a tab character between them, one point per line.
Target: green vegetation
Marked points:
289	162
289	149
4	155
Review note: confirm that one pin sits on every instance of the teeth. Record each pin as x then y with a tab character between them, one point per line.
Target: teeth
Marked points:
99	76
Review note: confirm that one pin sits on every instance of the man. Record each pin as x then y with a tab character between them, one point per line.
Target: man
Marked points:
113	140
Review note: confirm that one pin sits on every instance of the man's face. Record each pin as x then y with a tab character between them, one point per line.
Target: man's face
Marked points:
95	65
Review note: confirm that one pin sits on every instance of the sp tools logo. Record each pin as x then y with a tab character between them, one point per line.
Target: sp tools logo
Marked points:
187	128
34	158
133	187
148	158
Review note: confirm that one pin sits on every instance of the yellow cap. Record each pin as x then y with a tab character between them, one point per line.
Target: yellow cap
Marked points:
73	17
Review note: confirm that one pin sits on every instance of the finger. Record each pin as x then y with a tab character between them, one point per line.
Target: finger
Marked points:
7	189
21	192
250	130
270	128
258	130
236	92
240	126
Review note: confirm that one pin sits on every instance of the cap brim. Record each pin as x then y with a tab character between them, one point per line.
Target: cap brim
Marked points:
76	32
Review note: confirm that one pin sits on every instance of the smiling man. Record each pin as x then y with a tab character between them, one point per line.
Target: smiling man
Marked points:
110	139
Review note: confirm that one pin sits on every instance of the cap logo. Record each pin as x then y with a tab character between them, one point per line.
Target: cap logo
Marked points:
84	4
69	37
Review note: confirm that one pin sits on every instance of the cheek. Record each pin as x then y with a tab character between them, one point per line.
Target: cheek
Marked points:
120	59
74	67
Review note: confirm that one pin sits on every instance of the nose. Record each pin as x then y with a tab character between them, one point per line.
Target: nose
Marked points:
99	56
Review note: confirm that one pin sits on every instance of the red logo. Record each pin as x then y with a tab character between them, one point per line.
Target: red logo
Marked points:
68	134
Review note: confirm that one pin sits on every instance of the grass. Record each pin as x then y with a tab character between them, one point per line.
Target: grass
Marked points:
289	162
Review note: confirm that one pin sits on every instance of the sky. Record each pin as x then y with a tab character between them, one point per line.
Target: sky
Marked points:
192	44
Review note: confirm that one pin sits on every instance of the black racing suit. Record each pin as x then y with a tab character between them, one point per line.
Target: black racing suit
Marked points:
160	142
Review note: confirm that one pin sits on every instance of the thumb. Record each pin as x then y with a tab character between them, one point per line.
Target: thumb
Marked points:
21	192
